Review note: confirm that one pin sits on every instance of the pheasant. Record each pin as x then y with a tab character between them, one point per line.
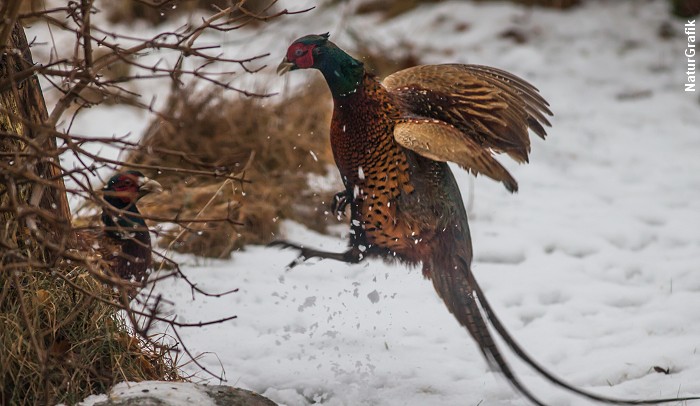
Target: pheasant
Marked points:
391	141
125	243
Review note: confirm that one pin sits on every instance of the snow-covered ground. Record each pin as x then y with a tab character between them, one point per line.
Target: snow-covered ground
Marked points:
594	266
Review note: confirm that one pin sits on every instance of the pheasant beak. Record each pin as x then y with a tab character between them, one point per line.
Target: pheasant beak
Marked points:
284	66
147	186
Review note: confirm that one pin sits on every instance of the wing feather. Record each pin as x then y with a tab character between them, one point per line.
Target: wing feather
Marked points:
492	109
443	142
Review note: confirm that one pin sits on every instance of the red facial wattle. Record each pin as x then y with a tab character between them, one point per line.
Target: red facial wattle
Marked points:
301	55
127	189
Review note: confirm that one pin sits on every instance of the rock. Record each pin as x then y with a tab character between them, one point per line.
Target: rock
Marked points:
229	396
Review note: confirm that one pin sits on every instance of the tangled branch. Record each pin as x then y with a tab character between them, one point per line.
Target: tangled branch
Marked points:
38	235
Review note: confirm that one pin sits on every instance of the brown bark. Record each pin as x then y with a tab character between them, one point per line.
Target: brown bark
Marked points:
32	194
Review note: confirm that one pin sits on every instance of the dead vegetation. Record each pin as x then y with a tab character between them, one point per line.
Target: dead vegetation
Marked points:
159	11
383	60
68	329
63	340
278	142
393	8
555	4
63	330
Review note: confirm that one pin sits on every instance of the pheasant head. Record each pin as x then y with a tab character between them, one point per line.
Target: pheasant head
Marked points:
342	72
122	191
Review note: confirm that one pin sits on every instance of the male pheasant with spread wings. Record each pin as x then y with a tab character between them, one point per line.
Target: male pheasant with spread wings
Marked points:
391	141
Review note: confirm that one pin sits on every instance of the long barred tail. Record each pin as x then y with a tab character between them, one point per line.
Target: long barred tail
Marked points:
455	284
457	287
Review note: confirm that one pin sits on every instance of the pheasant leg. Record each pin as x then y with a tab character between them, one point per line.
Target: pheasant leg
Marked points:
351	256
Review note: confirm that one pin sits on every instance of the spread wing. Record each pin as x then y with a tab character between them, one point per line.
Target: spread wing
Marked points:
440	141
491	110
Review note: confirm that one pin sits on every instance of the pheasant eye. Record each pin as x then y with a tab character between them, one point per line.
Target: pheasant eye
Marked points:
299	52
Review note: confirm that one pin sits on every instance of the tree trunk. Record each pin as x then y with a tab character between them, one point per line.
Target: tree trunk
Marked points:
33	198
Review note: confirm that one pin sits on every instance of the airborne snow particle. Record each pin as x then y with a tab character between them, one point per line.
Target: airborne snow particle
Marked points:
373	296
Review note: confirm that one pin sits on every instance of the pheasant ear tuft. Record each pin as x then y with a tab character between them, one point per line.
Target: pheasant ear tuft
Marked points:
326	35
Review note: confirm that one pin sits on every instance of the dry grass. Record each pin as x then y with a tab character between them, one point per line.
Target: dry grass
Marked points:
62	333
60	343
556	4
287	139
393	8
128	11
383	60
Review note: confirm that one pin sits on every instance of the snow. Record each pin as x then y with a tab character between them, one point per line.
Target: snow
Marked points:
592	266
170	393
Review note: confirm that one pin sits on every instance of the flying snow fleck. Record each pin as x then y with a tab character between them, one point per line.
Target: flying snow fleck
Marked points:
373	296
308	302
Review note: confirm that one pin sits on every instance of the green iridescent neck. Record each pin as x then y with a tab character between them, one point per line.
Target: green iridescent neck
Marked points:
118	224
343	73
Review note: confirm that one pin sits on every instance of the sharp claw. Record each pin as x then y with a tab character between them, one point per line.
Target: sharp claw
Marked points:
339	203
334	205
303	256
299	260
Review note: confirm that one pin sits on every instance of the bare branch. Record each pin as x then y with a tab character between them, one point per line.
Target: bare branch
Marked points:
80	76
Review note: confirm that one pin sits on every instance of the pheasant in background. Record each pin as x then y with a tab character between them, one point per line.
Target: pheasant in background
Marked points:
125	243
391	141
